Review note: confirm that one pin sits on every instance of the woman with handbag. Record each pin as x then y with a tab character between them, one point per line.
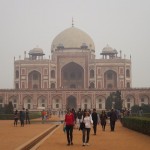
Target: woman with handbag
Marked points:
87	119
69	123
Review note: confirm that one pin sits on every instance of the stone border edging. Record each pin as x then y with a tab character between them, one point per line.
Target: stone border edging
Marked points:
31	143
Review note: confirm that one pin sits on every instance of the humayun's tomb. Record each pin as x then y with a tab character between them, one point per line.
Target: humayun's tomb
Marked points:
72	76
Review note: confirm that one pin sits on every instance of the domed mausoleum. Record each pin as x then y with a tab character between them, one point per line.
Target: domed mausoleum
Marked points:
72	77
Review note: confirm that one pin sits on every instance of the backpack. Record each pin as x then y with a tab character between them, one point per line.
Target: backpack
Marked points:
82	126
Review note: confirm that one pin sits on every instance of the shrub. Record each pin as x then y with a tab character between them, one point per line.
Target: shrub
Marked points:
32	115
140	124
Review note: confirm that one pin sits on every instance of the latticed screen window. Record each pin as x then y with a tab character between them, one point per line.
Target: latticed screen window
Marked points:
43	100
57	105
14	105
29	106
85	106
100	106
128	105
85	100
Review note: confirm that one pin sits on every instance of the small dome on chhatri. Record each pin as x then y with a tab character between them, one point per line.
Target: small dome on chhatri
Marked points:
72	38
109	49
36	51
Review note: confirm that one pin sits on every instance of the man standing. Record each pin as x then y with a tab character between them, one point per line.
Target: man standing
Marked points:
95	120
27	117
79	118
113	118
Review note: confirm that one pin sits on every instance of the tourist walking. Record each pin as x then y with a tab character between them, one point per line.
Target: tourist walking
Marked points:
22	118
27	117
69	123
43	114
79	117
16	117
103	118
95	120
87	119
113	118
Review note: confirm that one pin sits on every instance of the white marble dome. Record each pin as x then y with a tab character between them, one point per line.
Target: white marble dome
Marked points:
72	38
107	48
36	51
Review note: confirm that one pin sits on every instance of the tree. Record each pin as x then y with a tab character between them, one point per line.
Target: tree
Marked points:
2	111
135	109
114	100
9	108
109	102
145	108
118	100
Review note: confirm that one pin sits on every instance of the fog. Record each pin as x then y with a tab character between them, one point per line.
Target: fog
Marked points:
123	24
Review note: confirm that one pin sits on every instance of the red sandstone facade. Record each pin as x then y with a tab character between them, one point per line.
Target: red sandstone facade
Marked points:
72	77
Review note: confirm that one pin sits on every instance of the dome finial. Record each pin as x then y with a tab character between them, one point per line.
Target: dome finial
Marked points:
72	22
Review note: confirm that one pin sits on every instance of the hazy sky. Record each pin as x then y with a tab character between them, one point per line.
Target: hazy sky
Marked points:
123	24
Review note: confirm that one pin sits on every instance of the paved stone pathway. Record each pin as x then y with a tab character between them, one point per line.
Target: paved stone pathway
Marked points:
121	139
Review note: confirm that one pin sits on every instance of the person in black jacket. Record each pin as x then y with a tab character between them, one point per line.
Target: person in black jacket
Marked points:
95	120
22	118
79	118
27	117
103	118
113	118
16	118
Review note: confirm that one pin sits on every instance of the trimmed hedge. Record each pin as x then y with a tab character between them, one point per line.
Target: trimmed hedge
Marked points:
6	116
147	115
140	124
32	115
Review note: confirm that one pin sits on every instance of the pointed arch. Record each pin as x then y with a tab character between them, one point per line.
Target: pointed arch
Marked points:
144	99
42	101
129	101
86	102
57	102
28	102
100	102
15	101
72	75
71	102
34	80
110	79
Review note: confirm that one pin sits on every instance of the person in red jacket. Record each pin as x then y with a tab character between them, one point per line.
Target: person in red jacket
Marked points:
69	123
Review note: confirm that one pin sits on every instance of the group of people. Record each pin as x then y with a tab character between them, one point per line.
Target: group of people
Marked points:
23	116
45	115
84	120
